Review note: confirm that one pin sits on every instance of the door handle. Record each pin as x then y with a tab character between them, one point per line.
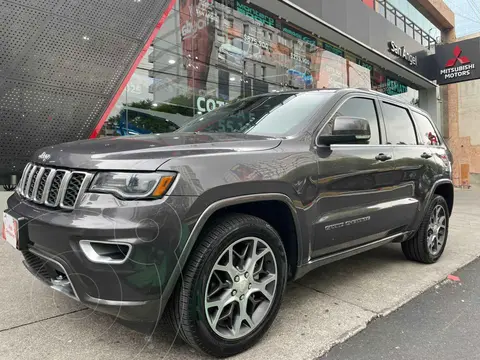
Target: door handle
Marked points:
426	155
382	157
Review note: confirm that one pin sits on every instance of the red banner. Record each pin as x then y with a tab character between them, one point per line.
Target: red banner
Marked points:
370	3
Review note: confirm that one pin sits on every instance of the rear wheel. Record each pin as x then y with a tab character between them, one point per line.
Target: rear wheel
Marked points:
232	286
429	242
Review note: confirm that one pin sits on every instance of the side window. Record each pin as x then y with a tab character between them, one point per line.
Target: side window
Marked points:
359	107
400	130
428	136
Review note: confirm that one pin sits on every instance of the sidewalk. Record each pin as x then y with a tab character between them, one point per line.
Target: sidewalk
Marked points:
442	323
323	309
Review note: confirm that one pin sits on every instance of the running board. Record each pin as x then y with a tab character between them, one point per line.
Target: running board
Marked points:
301	271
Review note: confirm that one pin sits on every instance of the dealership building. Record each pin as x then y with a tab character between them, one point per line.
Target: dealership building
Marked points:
149	67
210	52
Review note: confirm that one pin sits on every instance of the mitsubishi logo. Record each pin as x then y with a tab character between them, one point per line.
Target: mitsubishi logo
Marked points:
461	59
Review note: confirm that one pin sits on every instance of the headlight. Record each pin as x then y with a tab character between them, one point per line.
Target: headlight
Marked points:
132	185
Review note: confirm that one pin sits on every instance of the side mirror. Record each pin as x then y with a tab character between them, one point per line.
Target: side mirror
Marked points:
345	130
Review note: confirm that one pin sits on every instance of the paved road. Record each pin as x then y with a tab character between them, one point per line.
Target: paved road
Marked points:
326	307
442	323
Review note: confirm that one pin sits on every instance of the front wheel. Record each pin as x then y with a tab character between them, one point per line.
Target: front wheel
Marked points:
428	244
232	286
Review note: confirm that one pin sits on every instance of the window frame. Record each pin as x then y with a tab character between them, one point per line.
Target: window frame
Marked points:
410	116
435	129
331	113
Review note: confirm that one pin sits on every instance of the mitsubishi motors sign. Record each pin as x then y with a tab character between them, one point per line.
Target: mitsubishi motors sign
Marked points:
457	62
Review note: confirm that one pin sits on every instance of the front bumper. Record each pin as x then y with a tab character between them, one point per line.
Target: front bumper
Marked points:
134	290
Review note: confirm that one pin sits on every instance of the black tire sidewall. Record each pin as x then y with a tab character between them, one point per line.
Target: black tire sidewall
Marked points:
196	309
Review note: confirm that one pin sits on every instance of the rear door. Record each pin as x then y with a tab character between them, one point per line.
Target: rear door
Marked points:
353	204
438	165
414	163
429	137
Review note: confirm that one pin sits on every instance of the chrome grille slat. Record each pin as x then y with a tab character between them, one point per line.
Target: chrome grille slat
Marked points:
53	198
29	182
53	187
63	187
40	188
23	180
48	184
38	177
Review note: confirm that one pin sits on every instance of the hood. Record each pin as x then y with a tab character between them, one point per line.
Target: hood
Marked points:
147	152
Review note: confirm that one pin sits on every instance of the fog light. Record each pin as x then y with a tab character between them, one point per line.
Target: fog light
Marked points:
106	252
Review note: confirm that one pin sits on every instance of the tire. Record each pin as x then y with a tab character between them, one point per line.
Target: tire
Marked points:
188	307
419	248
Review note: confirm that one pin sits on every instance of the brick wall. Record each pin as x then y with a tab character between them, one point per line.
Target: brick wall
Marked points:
462	106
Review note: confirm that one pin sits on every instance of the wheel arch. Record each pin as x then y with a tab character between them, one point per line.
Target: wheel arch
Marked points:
446	190
256	205
443	187
229	205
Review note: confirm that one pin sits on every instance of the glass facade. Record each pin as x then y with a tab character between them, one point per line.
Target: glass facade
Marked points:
209	53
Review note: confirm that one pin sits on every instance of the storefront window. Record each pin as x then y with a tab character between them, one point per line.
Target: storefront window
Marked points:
210	53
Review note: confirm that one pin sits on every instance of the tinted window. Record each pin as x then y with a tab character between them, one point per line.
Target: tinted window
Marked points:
364	108
281	114
428	136
400	130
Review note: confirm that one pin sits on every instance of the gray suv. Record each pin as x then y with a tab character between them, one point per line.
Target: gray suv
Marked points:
209	222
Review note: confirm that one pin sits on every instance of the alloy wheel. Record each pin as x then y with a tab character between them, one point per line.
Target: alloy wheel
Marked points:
241	288
436	230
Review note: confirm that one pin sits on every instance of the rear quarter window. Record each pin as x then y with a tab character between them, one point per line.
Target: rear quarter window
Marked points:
427	133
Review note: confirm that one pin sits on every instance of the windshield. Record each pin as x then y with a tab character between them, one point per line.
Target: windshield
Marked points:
276	115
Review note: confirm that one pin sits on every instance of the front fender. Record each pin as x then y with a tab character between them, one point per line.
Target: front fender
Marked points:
208	212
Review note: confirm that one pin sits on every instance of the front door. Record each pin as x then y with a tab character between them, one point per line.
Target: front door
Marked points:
354	199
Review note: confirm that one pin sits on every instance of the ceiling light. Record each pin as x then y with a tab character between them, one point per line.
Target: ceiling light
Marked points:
171	61
232	79
154	104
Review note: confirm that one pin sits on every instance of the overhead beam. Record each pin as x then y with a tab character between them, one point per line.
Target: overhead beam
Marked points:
437	12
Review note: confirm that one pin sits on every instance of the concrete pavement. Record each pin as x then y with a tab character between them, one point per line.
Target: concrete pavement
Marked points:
325	308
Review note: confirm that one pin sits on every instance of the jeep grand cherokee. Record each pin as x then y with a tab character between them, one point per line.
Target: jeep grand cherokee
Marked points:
210	221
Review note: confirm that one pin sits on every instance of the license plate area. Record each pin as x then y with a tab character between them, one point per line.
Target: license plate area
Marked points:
14	230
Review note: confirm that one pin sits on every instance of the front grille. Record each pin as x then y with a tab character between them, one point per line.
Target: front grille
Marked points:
53	187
